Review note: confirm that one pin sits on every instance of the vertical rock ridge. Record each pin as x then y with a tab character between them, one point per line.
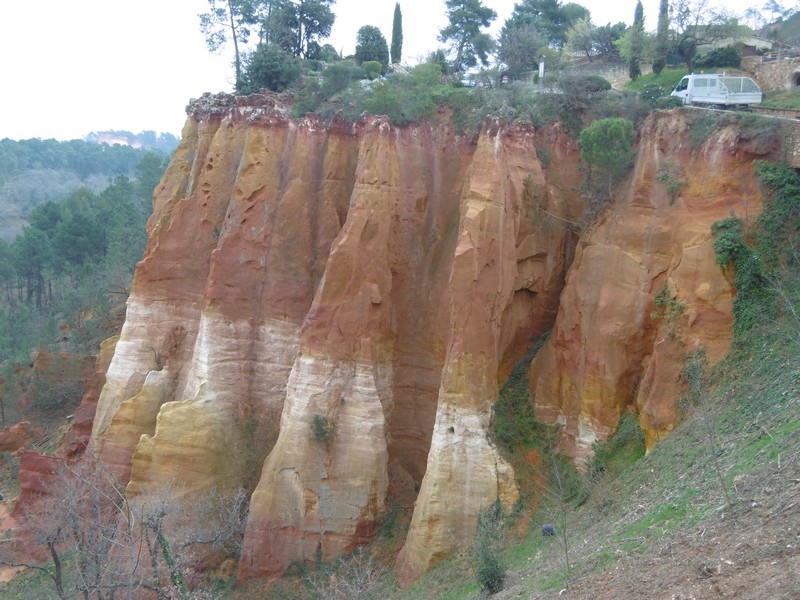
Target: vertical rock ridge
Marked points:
324	484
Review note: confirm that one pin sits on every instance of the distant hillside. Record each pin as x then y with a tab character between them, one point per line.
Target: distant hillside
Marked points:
144	140
786	30
36	171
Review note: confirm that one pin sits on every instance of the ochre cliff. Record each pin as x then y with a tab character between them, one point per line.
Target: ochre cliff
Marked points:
614	348
321	316
325	311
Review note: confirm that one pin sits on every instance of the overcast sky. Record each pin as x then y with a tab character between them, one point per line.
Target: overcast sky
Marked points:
70	68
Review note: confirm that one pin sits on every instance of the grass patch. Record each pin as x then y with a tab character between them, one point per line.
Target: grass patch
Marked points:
769	446
789	99
665	517
622	449
667	80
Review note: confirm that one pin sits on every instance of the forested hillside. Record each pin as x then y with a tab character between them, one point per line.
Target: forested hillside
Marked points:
35	171
65	277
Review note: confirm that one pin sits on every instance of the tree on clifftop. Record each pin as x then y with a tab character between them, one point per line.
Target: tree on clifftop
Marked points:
371	45
662	38
397	35
520	48
551	18
297	25
227	20
469	44
268	67
637	41
293	26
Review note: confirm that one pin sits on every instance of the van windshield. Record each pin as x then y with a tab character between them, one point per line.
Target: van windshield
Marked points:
682	85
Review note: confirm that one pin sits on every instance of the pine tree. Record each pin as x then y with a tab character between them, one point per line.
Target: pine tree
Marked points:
397	35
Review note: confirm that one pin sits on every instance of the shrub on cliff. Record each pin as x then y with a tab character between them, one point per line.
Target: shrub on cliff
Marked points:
606	147
408	98
332	81
765	257
372	68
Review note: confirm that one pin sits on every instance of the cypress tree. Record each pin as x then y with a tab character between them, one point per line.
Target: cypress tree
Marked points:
397	35
662	43
637	41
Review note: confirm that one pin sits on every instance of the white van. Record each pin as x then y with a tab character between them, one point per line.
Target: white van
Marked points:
718	90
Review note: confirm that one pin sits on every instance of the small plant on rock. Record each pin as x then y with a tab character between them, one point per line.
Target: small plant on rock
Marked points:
674	179
670	309
322	428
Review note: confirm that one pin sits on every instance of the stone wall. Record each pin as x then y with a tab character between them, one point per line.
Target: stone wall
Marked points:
774	74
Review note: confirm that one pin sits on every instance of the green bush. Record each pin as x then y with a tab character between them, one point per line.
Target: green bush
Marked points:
673	177
583	85
779	221
627	445
486	556
754	299
625	105
652	92
728	56
668	102
311	66
656	95
514	424
372	68
408	98
607	147
333	80
763	134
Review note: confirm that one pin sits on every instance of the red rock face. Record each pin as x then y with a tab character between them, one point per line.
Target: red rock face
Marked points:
19	436
321	316
613	349
324	312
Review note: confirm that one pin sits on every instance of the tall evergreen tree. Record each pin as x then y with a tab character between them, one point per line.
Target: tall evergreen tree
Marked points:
551	18
371	45
662	41
299	24
637	41
397	35
468	43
